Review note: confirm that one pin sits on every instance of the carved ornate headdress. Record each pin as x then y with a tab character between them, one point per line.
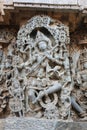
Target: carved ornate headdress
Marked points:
41	37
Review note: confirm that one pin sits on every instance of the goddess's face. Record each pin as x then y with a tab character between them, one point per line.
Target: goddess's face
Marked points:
42	45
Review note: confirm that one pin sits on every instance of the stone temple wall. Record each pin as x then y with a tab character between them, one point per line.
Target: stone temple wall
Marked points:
31	87
43	75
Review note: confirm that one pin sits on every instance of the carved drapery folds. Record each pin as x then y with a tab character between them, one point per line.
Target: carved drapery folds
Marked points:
38	70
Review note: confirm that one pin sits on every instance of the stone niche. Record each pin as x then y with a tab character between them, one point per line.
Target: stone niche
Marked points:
39	72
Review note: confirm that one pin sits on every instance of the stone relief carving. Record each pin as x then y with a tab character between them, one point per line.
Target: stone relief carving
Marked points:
42	69
78	54
6	36
40	74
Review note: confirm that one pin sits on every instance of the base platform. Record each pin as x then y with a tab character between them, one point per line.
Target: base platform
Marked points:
39	124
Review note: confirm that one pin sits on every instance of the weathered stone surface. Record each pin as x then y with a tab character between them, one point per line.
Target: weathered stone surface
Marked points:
70	2
36	66
46	5
71	126
82	2
1	125
29	124
40	124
